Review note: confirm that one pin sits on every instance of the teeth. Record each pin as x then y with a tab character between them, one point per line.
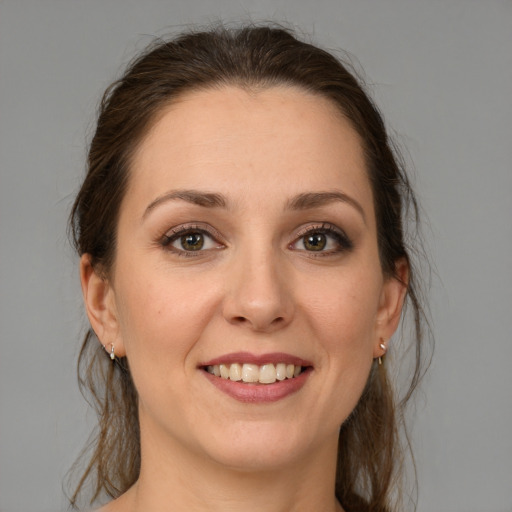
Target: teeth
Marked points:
252	373
268	374
235	372
224	371
280	371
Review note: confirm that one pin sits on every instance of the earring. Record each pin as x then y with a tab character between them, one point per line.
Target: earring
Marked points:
112	351
384	348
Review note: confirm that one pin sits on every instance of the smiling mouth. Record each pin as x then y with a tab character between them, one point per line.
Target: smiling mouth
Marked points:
255	374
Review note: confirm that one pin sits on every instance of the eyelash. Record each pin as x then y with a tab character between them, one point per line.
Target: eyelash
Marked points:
343	243
180	231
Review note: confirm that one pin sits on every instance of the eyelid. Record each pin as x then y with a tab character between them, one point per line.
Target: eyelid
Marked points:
191	227
343	242
342	239
319	226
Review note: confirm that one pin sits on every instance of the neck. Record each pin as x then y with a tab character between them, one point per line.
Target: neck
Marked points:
175	479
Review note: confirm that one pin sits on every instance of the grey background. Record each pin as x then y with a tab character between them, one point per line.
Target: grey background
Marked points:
442	74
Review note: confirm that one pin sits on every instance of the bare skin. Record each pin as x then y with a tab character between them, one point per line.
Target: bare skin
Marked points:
248	226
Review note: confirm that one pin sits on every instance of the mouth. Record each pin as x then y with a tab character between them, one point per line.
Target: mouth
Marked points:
249	373
253	378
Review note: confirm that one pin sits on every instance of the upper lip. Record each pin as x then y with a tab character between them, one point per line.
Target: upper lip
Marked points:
258	359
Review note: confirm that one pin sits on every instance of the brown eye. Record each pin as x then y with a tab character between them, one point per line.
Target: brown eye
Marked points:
192	241
188	240
315	242
325	240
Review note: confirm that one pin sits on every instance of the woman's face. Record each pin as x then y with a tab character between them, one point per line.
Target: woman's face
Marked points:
247	246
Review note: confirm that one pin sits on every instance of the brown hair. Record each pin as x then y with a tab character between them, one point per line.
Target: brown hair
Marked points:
370	452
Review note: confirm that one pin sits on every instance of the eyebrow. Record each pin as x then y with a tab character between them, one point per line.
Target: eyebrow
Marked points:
310	200
205	199
305	201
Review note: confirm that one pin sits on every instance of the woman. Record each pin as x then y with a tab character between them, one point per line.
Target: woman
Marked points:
243	264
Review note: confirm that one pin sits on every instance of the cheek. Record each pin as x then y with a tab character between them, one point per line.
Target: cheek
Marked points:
341	318
345	309
161	323
162	315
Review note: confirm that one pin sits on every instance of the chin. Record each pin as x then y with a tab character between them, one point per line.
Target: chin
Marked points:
256	460
259	447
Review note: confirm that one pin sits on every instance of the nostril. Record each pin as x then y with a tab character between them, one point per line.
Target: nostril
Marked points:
276	322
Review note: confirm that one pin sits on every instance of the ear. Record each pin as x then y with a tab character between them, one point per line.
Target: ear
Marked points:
100	305
391	303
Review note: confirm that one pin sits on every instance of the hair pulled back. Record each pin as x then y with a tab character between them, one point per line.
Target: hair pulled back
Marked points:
370	451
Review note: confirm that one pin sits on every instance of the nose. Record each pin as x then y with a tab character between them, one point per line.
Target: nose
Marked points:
259	293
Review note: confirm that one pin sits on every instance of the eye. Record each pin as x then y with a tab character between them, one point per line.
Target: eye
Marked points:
190	242
315	242
185	240
324	239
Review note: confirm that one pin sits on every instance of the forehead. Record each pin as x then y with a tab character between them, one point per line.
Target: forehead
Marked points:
239	141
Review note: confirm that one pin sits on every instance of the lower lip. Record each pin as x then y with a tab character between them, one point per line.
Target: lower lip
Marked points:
259	393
